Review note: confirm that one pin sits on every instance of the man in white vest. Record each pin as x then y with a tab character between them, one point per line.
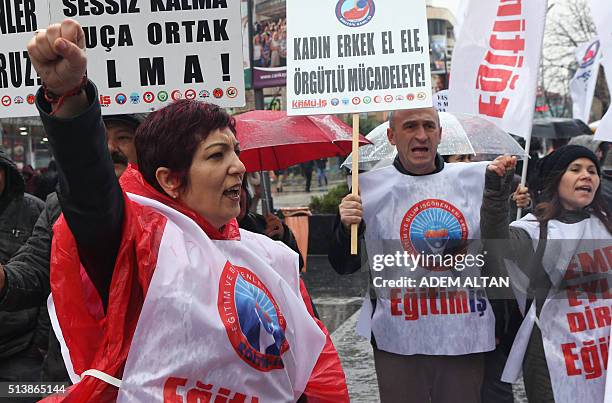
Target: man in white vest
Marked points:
428	342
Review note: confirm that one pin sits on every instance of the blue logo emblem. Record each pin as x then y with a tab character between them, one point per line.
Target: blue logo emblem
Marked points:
355	13
335	101
120	98
346	101
134	98
433	227
259	340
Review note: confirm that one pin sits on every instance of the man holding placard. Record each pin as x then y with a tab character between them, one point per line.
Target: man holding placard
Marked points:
363	58
415	209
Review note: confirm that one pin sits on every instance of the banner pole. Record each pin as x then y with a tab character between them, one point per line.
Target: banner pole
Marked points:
355	178
519	211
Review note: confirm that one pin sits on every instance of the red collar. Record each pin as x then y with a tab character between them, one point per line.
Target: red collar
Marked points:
132	181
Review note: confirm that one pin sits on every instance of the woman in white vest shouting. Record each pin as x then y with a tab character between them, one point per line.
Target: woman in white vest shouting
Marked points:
558	258
157	296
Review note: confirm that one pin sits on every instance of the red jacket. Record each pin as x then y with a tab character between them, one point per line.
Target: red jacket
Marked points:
102	342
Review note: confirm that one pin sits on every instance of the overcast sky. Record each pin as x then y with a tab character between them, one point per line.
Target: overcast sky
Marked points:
452	5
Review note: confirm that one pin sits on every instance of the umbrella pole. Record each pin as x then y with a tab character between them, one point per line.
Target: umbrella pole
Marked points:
519	211
355	178
266	206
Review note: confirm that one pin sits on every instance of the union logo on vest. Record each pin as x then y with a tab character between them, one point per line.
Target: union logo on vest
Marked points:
433	227
253	321
355	13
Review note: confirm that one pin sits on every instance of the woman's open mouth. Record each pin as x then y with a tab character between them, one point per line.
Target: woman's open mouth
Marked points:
233	193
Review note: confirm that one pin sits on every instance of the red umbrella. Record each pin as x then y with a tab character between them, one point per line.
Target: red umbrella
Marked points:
271	140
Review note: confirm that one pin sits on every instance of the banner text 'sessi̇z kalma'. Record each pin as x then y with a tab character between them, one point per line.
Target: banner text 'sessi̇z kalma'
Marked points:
142	53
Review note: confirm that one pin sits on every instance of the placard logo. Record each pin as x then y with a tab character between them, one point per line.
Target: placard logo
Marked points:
105	100
355	13
162	96
231	92
190	94
176	95
148	97
135	98
121	98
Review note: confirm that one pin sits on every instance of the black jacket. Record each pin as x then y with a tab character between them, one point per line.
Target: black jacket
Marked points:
18	213
27	286
606	187
92	203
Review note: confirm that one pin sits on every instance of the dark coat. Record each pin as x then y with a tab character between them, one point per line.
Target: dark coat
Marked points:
18	213
606	188
27	286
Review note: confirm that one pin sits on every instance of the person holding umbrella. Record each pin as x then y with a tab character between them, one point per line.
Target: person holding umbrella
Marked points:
166	287
418	205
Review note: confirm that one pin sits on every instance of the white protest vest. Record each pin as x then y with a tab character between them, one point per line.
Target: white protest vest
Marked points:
575	325
221	320
416	214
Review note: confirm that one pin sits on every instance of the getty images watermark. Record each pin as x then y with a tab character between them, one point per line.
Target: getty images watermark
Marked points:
433	270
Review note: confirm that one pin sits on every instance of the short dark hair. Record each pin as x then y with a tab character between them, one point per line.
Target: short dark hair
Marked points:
170	137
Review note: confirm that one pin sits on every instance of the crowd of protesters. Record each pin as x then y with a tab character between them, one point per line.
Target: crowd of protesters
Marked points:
270	43
144	240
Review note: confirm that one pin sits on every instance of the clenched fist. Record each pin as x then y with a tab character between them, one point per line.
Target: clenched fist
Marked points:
502	164
274	226
58	55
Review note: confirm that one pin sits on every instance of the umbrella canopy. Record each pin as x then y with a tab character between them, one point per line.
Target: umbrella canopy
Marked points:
461	134
271	140
586	140
559	128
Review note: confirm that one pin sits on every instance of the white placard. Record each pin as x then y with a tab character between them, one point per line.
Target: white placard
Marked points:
18	79
602	16
142	55
496	61
351	56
